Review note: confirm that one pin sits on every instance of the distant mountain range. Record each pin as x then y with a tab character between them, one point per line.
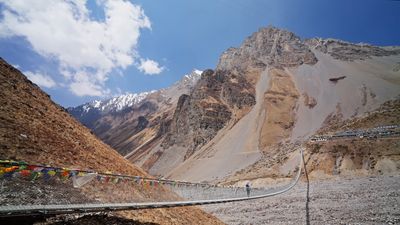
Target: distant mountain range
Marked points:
117	119
124	101
116	104
262	101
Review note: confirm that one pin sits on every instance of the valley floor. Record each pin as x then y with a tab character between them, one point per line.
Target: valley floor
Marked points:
363	200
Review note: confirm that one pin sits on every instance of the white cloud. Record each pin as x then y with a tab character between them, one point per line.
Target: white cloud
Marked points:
149	66
82	85
64	30
40	79
83	88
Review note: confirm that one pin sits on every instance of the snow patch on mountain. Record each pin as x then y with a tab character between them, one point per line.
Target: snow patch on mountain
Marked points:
122	102
193	77
117	103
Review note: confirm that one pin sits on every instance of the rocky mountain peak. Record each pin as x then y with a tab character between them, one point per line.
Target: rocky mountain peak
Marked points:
188	80
268	46
193	76
89	113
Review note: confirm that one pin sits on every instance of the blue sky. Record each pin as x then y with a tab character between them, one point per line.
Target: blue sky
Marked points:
81	52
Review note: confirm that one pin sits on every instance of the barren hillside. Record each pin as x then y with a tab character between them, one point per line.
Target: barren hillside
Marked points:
36	130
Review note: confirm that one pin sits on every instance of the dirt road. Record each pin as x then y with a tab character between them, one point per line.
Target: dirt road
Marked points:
366	200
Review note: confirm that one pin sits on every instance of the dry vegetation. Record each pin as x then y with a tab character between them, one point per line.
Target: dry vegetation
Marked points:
36	130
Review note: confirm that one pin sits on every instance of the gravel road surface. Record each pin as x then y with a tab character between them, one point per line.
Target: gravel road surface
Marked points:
363	200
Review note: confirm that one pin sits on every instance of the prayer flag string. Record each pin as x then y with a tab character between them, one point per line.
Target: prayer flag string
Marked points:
10	169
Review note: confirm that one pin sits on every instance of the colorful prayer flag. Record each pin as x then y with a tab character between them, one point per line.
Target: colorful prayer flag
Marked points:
25	173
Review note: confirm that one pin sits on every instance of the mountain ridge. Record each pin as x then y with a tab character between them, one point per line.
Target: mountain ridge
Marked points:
121	102
272	89
121	121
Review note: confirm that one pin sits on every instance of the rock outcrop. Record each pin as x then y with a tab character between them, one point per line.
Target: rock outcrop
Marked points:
200	115
347	51
309	101
269	46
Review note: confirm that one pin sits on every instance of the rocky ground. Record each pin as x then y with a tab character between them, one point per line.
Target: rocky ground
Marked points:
364	200
75	219
98	220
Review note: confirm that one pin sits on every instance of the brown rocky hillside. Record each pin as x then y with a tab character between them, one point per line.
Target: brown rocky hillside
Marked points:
344	157
358	156
36	130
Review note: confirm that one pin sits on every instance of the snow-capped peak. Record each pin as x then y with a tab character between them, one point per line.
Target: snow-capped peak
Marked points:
122	102
193	77
117	103
96	103
198	72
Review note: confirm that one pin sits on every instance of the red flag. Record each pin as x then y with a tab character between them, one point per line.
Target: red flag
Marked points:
65	173
25	173
107	179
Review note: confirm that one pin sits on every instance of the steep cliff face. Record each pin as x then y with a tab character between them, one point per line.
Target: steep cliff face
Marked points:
200	115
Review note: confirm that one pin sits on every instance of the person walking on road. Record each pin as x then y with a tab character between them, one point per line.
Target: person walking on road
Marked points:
248	189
